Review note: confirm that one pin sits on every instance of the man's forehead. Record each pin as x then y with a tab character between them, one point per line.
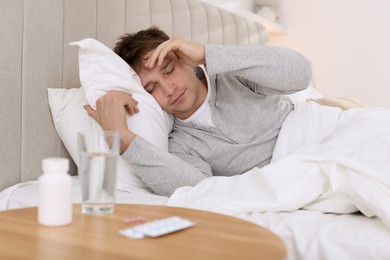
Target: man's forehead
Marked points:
170	56
166	60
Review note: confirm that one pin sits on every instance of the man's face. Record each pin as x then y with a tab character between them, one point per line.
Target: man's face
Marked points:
174	85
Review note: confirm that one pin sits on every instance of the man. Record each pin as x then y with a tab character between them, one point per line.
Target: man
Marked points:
227	114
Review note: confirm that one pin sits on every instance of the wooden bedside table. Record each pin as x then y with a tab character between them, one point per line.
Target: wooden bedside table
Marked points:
215	236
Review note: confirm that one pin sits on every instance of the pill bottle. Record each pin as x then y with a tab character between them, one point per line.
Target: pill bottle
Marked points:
55	193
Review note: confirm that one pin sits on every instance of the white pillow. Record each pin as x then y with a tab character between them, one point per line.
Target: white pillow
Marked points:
70	117
100	67
102	70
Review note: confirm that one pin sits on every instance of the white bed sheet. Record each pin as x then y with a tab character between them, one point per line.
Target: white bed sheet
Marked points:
311	235
25	195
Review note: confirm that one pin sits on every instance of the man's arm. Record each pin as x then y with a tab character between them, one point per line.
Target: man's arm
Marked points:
267	70
164	172
161	171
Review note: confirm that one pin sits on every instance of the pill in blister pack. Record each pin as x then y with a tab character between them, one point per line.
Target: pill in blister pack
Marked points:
157	228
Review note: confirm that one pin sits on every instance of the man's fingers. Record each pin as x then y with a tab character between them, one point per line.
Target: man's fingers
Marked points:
90	110
132	109
159	54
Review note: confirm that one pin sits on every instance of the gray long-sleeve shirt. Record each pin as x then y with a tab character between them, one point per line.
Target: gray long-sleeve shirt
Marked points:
247	84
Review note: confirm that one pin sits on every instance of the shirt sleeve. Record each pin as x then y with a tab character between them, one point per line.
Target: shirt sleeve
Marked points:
163	172
266	70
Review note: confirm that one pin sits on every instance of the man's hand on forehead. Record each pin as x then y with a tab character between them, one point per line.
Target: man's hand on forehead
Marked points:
189	53
169	57
157	56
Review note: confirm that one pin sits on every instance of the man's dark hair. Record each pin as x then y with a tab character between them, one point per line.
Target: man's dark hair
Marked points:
132	47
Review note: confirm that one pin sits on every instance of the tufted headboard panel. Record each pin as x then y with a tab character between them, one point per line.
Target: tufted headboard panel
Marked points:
35	55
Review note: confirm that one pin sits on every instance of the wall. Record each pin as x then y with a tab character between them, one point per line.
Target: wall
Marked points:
348	43
237	4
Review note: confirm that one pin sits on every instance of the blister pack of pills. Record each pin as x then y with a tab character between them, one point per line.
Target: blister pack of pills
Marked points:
157	228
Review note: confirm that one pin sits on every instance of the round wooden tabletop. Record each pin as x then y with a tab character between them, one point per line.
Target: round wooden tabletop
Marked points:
215	236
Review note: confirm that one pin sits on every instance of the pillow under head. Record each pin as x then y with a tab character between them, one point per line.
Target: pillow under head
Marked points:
102	70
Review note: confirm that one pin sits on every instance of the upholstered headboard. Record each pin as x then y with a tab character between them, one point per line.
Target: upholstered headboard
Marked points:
35	55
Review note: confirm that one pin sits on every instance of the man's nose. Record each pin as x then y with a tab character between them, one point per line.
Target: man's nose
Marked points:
168	88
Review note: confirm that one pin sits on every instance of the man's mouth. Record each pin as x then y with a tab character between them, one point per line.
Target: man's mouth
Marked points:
178	98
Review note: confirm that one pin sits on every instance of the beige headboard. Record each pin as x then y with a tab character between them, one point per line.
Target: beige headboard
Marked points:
34	56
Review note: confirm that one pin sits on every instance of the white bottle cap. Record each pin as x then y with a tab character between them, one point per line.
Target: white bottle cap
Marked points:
55	164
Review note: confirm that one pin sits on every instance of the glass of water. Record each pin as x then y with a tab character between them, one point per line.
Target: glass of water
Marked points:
98	152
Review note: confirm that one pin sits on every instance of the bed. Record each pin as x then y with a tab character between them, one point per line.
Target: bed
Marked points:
41	98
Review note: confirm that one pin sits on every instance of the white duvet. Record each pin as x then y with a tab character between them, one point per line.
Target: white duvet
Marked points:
325	159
